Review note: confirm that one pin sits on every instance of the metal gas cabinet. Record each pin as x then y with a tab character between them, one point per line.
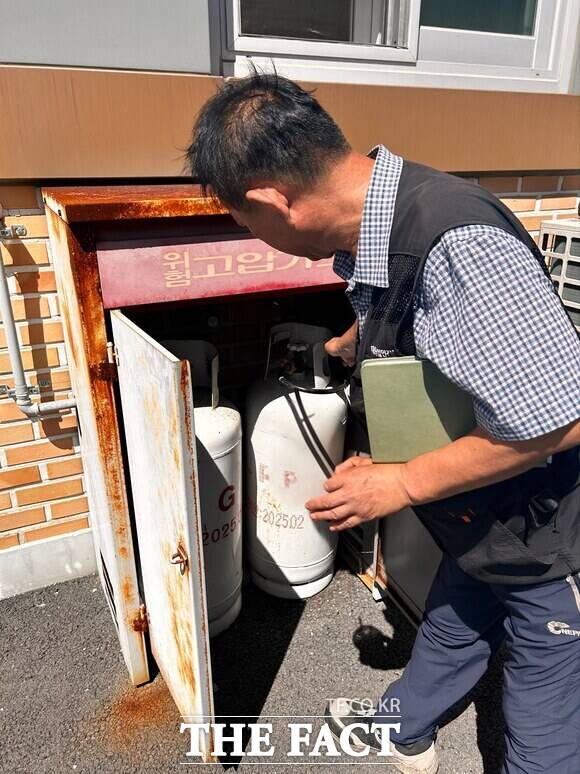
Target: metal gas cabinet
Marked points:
130	262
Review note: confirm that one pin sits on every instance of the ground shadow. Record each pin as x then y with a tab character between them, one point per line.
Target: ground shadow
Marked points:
247	657
388	649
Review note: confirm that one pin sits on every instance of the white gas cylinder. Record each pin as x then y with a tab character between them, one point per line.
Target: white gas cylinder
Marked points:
294	438
218	434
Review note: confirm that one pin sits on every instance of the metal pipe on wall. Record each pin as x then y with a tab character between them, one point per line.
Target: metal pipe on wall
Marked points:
21	391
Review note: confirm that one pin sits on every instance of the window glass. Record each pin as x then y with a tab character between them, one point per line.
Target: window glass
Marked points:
512	17
329	20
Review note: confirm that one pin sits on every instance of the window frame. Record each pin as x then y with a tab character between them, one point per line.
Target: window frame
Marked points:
552	69
237	43
496	49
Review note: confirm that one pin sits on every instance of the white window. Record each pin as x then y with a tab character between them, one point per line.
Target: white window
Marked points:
497	44
504	33
348	29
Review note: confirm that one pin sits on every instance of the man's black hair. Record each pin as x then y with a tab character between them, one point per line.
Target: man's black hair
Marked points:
262	127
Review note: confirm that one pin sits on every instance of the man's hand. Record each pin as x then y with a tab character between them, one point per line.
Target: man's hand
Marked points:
359	491
344	346
477	460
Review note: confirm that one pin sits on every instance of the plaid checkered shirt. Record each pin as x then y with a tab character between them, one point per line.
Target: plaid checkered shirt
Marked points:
485	314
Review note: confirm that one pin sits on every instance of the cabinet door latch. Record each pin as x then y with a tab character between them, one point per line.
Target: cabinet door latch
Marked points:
180	558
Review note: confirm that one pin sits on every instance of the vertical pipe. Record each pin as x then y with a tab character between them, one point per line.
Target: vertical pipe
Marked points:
21	393
21	390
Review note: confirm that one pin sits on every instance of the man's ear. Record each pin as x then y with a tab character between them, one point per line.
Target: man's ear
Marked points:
271	198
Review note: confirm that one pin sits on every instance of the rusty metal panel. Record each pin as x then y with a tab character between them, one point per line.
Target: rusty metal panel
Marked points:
89	203
157	404
132	274
86	340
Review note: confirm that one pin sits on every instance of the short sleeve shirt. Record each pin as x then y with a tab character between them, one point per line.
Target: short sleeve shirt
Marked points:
485	314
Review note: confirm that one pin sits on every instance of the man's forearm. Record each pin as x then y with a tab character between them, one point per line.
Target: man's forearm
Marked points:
476	460
361	490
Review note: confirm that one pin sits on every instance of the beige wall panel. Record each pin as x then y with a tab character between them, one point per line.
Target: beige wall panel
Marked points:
459	130
60	123
87	123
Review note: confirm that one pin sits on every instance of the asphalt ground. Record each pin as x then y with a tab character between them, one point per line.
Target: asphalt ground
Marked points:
66	704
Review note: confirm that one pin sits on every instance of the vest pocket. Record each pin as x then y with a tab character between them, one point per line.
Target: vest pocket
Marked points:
490	532
502	552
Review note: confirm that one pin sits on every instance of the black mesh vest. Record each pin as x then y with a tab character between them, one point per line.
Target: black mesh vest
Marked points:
522	530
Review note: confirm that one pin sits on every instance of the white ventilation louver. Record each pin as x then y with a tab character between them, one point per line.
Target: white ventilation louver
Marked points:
560	245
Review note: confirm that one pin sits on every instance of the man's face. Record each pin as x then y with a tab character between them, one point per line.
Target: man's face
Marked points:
295	237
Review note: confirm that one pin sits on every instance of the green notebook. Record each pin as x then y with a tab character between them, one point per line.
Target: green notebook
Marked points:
412	408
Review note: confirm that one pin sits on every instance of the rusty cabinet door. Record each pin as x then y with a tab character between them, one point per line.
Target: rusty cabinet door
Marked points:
157	407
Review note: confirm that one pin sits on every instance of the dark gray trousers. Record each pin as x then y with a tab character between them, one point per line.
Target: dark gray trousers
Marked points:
464	624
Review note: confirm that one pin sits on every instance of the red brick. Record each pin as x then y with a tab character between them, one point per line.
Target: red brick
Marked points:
40	494
65	468
16	433
65	423
20	519
62	528
41	333
9	411
35	282
59	447
532	222
571	183
520	205
8	541
30	308
25	254
36	226
10	478
32	359
499	184
69	507
18	197
5	502
58	380
540	183
558	203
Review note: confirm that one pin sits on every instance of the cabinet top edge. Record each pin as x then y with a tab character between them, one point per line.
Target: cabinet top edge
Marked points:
76	204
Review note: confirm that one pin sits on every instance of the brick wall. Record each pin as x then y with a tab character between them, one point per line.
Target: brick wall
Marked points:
41	483
535	198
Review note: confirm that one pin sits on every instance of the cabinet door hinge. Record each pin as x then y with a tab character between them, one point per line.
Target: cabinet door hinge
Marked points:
112	354
141	622
108	369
